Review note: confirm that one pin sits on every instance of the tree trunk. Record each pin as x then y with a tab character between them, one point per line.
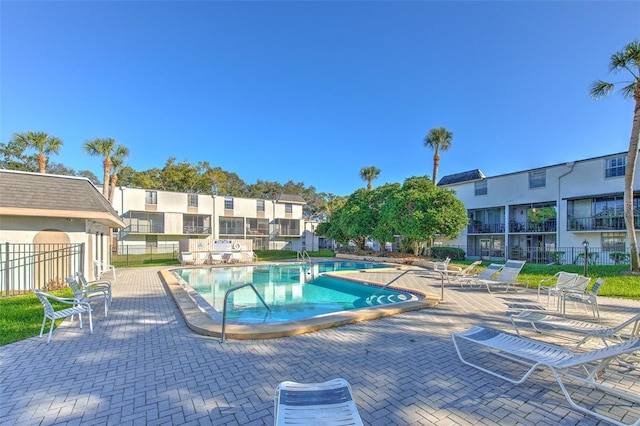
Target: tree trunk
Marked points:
436	162
632	158
105	178
42	162
114	181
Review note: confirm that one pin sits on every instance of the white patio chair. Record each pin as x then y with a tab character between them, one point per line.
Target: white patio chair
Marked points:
102	266
585	368
555	284
88	295
77	307
328	403
202	257
103	285
586	298
544	323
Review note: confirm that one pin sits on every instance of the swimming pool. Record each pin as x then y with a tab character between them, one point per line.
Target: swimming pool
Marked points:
292	291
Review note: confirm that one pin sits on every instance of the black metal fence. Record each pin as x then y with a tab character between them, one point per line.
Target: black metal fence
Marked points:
24	267
140	254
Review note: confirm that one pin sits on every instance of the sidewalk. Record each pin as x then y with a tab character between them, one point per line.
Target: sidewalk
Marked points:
143	365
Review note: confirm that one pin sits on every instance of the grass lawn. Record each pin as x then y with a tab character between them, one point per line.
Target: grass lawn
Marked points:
21	316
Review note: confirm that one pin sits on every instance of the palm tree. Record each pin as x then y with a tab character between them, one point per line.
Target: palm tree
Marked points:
117	162
369	173
41	142
627	59
438	139
105	148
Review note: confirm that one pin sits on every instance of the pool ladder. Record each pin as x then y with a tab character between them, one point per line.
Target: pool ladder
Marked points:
226	296
303	257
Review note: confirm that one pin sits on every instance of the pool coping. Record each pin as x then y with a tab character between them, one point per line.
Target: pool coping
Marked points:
202	323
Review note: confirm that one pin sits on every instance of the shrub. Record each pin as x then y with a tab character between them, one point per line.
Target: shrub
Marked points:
556	257
444	252
619	258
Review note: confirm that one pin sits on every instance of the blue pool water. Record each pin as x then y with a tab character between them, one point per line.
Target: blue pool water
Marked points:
291	291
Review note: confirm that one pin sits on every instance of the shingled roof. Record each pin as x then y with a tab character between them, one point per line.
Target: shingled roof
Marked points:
44	195
467	176
288	198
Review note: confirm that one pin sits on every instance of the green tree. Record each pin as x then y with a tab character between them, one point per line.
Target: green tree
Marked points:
438	139
627	60
368	174
356	220
383	230
420	211
105	148
117	163
43	143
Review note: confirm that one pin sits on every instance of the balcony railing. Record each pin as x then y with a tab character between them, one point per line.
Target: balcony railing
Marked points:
194	229
485	228
593	223
141	229
549	225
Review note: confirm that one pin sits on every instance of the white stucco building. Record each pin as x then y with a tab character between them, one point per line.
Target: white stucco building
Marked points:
532	213
160	219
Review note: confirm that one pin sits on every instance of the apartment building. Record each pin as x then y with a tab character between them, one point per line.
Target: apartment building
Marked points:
160	219
544	213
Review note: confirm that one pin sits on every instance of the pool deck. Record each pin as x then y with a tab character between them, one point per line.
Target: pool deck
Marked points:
143	365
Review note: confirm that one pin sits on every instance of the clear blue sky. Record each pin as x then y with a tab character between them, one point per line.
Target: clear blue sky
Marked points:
314	91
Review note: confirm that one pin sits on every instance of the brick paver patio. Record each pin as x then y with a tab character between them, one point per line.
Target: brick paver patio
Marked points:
143	365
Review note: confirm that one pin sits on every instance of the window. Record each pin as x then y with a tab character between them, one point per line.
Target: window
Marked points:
257	226
614	167
260	206
192	200
289	227
151	197
228	203
481	187
288	208
537	179
613	242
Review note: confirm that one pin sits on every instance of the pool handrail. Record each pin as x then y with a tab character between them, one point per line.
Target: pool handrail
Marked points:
302	255
224	309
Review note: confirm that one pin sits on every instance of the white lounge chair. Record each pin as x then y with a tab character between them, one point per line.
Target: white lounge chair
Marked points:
485	274
543	323
506	276
461	273
587	298
328	403
554	284
77	307
186	258
585	368
215	258
89	295
102	266
251	256
202	257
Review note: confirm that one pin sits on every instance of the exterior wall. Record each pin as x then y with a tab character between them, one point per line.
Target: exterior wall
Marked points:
511	193
174	205
33	229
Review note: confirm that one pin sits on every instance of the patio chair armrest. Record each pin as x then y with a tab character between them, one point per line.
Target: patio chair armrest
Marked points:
66	300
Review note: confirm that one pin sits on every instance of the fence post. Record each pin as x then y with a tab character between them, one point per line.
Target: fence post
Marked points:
6	269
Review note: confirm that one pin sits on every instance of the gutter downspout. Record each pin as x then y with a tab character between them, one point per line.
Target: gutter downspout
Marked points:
571	165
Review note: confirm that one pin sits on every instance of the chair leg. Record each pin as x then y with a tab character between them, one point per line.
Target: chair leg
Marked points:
50	330
44	320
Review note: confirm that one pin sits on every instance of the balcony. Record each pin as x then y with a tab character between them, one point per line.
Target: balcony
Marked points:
194	229
597	223
141	229
478	227
549	225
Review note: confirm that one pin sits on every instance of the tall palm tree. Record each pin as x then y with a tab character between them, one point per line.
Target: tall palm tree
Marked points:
438	139
41	142
117	162
627	59
105	148
369	173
